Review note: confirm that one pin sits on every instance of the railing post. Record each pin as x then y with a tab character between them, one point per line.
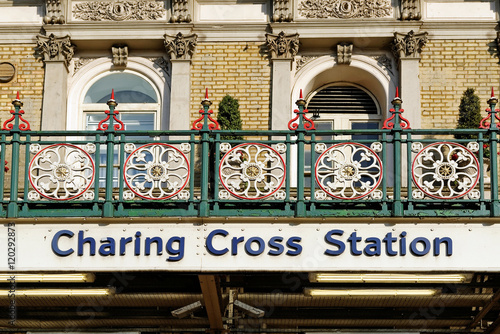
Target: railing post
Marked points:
108	209
490	123
397	123
15	129
301	128
205	129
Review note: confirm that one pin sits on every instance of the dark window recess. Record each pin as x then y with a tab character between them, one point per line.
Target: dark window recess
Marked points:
342	100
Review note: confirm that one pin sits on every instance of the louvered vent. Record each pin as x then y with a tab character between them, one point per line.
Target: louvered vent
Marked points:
342	100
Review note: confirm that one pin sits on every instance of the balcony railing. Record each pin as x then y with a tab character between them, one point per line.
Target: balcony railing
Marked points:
289	173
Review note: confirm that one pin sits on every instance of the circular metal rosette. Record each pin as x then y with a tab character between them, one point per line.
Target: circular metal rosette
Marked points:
252	171
61	172
348	171
445	170
156	171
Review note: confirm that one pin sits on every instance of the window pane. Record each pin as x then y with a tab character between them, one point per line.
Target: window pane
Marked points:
138	121
365	126
129	88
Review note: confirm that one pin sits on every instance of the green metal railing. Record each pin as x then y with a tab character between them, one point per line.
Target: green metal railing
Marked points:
111	172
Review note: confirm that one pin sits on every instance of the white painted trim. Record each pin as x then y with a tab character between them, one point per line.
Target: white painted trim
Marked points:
98	68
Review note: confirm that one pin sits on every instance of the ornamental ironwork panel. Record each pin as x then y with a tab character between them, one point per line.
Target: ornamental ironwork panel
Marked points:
252	171
348	171
156	171
445	170
61	172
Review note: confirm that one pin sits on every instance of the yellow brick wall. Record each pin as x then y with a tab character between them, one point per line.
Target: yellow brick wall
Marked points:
28	81
240	69
447	69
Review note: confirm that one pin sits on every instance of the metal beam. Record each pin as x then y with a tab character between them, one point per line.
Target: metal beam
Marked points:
212	300
494	300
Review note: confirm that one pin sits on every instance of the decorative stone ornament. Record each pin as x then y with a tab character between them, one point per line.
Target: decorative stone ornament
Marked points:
344	53
410	10
409	45
54	12
282	46
344	9
119	10
180	46
180	12
54	48
120	55
7	72
281	11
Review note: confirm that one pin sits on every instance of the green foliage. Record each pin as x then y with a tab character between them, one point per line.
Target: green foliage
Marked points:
229	116
469	113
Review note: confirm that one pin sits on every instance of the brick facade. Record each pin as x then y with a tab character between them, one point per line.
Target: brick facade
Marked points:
28	80
240	69
447	69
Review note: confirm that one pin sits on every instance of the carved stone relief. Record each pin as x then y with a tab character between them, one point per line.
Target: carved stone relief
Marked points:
81	62
384	62
282	11
282	46
410	10
161	63
120	55
344	53
54	48
303	61
180	12
409	45
180	46
54	12
344	9
119	10
497	40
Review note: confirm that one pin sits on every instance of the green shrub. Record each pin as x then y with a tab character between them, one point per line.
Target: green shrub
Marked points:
469	113
229	116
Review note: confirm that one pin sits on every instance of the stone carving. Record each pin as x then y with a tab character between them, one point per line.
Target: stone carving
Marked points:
54	12
180	46
281	11
344	53
303	60
344	9
384	62
120	55
54	48
282	46
497	40
161	63
410	10
119	10
409	45
180	12
81	62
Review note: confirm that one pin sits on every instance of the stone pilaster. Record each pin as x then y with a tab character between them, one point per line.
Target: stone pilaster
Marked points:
283	48
56	53
407	49
180	49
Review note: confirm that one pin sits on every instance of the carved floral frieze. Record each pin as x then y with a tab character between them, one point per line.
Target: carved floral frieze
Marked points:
344	9
119	11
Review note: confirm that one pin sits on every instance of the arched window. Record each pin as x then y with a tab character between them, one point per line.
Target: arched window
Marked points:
139	101
344	106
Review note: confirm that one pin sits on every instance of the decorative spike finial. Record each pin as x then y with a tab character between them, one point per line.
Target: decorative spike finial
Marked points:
17	96
17	102
492	99
111	102
397	100
301	96
206	101
301	101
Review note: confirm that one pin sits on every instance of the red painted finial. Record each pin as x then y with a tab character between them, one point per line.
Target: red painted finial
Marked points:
301	97
492	92
206	93
112	94
397	92
17	96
